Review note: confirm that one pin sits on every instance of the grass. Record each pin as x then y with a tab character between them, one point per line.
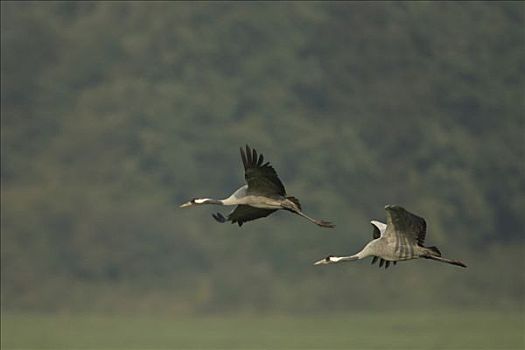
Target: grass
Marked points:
466	330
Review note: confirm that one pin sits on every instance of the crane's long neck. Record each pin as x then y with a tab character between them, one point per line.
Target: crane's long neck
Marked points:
337	259
361	255
371	249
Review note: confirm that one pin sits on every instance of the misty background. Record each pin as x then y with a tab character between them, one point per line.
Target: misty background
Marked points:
115	113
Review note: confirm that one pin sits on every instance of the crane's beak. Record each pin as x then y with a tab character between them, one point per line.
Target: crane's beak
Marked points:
187	204
322	262
459	263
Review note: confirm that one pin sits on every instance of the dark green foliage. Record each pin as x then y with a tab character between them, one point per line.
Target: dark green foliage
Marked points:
114	113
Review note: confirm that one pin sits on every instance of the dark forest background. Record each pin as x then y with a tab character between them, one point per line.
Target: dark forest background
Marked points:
114	113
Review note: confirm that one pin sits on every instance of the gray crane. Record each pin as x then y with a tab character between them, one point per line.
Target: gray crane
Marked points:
262	195
400	239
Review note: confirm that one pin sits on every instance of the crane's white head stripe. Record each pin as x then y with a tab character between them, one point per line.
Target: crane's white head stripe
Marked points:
201	200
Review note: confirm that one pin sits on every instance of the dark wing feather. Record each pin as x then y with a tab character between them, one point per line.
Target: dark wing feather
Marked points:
244	213
261	178
375	233
405	223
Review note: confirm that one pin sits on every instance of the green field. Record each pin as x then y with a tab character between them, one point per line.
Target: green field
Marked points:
454	330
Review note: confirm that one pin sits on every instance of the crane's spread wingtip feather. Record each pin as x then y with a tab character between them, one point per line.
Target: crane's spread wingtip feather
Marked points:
261	160
243	157
219	217
248	155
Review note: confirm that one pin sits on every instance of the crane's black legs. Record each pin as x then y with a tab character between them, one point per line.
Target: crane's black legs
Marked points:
320	223
290	206
445	260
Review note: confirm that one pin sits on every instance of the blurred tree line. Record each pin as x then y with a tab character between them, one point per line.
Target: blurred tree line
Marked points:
114	113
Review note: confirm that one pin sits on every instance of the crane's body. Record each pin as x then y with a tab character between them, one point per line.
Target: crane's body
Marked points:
400	239
241	197
262	195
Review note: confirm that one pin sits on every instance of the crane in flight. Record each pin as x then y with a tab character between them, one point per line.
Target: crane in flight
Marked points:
262	195
400	239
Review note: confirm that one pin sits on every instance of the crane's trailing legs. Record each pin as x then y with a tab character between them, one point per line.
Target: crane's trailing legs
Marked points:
445	260
292	204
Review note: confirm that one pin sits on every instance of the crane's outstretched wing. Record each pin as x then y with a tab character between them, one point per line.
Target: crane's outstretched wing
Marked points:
242	214
378	228
261	178
401	222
